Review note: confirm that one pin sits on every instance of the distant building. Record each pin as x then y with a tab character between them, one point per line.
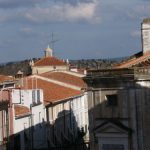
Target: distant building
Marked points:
48	63
119	109
23	119
29	117
6	83
66	106
119	102
4	120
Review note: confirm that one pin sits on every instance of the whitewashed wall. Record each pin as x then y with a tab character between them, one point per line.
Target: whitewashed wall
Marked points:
42	69
36	119
77	108
24	97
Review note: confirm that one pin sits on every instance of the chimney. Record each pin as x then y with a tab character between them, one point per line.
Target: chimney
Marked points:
146	35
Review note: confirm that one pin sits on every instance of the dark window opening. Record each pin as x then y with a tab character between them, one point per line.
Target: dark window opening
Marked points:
113	147
33	96
38	96
112	100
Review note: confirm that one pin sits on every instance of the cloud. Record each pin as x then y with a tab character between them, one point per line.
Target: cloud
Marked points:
18	3
84	10
66	12
31	3
74	2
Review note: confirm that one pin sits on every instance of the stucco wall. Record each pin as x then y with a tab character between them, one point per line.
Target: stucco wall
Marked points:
42	69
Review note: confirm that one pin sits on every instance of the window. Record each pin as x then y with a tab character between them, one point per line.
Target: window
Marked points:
112	100
38	96
113	147
40	117
33	96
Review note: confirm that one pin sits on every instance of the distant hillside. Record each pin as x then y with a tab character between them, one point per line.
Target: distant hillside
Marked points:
95	63
11	68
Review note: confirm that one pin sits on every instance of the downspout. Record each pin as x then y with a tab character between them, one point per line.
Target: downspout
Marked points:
2	127
53	126
11	119
64	117
7	128
32	128
136	117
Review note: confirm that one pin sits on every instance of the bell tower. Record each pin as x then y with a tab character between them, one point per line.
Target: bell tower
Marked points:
48	52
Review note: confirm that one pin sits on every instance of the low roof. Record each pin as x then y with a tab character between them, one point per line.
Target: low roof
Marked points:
135	62
4	78
50	61
21	110
52	92
65	78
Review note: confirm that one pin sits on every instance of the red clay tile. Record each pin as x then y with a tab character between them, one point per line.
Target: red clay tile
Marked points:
65	78
52	92
4	78
134	61
50	61
21	110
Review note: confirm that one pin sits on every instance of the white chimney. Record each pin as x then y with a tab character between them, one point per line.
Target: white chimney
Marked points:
146	35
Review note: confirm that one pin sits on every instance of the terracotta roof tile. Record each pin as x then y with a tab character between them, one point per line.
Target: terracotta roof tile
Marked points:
21	110
50	61
4	78
65	78
52	92
134	61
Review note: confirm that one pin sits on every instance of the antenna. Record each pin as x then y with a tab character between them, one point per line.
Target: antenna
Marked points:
52	42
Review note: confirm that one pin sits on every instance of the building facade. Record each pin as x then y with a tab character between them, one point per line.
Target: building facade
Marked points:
28	119
119	109
48	63
4	120
65	100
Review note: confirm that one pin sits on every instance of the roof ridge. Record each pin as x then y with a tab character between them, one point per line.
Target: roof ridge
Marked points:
50	61
58	82
134	61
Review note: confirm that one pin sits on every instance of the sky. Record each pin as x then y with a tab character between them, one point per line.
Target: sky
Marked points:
82	29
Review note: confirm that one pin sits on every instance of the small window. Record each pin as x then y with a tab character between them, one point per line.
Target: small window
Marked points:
40	117
38	96
112	100
33	96
113	147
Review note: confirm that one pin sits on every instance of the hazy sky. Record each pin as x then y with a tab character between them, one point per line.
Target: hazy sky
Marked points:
84	28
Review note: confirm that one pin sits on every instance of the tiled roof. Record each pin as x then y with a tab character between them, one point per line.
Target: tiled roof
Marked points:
134	62
65	78
50	61
52	92
21	110
4	78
